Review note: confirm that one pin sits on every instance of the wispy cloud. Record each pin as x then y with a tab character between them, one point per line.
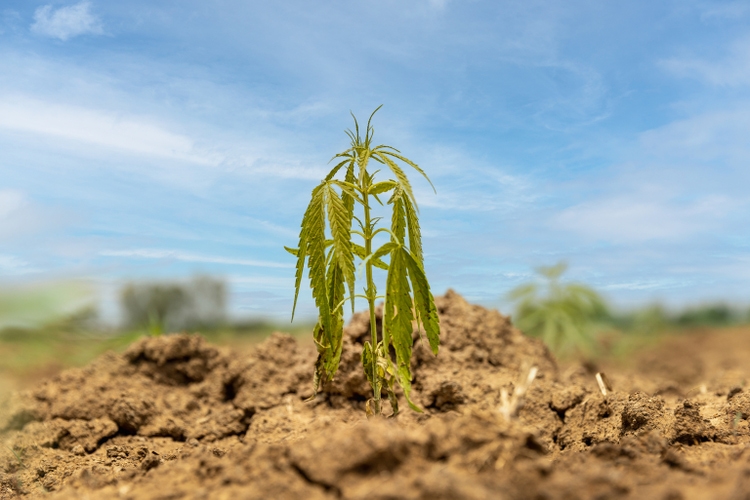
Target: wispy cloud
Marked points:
10	201
732	70
94	126
18	215
149	253
664	284
438	5
253	282
10	265
66	22
124	133
644	216
730	10
713	135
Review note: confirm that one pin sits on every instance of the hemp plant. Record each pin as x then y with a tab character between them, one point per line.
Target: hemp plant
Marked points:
326	243
566	317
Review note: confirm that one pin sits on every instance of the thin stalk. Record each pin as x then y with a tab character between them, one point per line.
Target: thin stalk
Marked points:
371	293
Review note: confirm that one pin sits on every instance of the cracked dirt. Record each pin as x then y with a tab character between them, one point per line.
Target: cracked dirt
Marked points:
175	417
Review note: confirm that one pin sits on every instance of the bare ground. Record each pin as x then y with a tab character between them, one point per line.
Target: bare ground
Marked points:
175	417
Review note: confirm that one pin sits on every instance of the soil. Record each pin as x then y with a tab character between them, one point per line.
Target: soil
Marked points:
174	417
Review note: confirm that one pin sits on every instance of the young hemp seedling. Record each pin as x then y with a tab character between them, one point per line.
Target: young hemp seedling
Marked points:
330	259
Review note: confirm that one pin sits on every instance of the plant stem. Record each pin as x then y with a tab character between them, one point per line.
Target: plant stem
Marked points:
371	293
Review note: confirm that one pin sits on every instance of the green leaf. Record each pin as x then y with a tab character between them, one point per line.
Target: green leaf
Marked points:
360	252
415	235
526	291
335	169
398	317
348	189
404	380
340	222
398	217
367	361
403	181
314	224
387	150
424	303
348	199
565	316
293	251
381	187
384	250
335	280
312	247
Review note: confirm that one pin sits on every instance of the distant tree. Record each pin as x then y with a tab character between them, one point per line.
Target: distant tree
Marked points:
708	315
563	316
163	307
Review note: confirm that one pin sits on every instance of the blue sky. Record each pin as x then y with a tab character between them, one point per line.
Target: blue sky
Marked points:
158	139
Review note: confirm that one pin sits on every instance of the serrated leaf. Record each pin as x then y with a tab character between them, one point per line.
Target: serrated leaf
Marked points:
367	360
348	189
379	264
335	169
335	282
349	200
314	225
387	150
398	317
404	380
424	303
339	218
312	229
403	181
360	252
384	250
398	217
415	235
381	187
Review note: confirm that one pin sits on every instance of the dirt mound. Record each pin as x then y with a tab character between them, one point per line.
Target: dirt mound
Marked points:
174	417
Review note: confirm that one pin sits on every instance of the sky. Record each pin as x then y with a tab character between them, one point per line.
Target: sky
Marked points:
156	140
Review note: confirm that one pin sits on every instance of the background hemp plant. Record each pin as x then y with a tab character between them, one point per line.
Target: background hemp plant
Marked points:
330	259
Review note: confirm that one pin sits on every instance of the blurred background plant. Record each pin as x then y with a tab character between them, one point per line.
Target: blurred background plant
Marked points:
50	326
574	320
199	304
566	317
36	306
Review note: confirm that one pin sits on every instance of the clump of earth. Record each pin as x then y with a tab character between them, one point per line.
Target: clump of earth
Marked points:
176	417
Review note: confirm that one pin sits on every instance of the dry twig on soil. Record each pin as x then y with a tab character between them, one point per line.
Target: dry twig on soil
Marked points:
510	404
604	386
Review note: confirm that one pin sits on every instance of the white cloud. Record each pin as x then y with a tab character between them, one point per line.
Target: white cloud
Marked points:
102	128
643	217
733	70
730	11
645	285
11	265
149	253
706	136
18	216
66	22
466	183
140	135
10	201
253	282
438	4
